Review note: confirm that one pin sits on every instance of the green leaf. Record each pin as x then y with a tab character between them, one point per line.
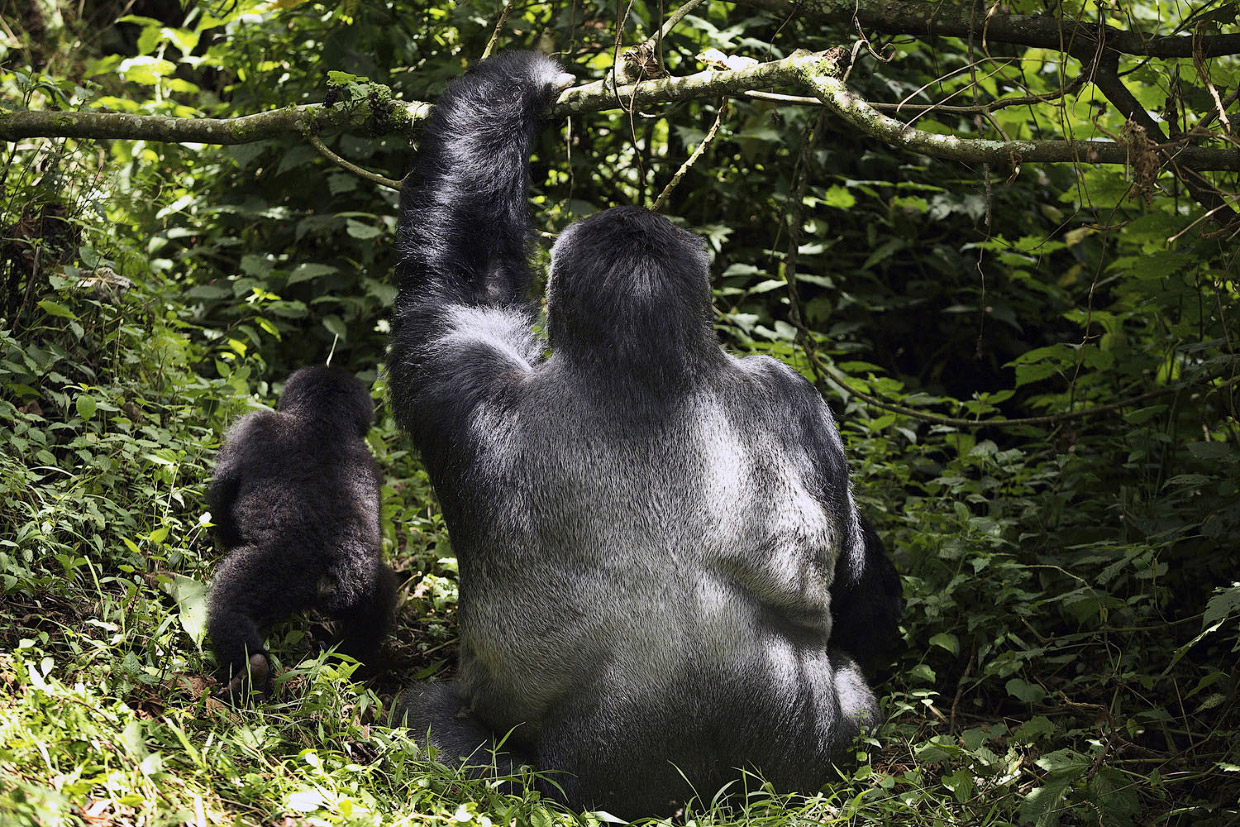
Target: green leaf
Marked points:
191	599
184	39
1025	691
363	232
1041	807
1156	265
341	78
1067	762
426	672
51	308
767	286
839	198
1036	728
1140	416
86	405
885	251
306	801
145	70
336	327
936	750
946	641
1116	796
1222	605
1210	450
309	271
960	783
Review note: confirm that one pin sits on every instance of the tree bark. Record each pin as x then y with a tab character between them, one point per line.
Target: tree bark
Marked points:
815	73
951	19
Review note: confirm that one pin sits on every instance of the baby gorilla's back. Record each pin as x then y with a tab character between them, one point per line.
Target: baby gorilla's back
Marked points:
295	498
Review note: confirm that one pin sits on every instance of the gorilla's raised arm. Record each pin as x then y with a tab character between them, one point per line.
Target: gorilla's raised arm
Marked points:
462	320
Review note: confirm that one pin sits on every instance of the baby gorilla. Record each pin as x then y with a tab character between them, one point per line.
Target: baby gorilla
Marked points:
295	499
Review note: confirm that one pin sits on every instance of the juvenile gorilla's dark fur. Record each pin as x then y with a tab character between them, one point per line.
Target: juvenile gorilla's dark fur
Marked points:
655	538
295	499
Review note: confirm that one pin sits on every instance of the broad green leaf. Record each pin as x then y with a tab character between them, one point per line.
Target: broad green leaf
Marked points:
1210	450
145	70
86	405
52	308
1025	691
191	600
309	271
838	197
1222	605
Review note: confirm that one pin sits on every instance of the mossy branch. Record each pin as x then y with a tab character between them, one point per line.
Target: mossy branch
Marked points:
865	118
815	72
292	120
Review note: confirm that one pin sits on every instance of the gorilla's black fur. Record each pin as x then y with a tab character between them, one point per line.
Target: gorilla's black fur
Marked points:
295	499
652	534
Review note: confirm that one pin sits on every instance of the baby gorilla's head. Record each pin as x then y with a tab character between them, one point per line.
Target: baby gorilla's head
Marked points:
329	396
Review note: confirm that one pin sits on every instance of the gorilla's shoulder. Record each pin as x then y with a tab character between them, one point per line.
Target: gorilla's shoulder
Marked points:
260	424
777	377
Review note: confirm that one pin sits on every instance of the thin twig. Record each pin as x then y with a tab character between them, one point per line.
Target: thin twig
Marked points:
670	23
1209	117
499	24
374	178
692	159
979	109
1200	65
795	219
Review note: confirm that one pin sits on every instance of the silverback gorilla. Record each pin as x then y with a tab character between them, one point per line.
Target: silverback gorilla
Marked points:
295	499
651	533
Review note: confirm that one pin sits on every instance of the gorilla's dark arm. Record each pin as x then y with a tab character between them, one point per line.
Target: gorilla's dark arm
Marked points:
462	320
226	479
866	605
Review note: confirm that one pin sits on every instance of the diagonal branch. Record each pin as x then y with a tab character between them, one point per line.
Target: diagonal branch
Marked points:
858	113
1108	82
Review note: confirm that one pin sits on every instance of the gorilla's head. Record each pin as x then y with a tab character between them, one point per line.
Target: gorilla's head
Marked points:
329	396
628	285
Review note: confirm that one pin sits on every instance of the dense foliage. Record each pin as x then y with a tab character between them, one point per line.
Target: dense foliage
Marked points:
1072	582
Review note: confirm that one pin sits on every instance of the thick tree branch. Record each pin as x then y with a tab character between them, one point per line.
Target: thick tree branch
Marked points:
294	120
814	72
858	113
951	19
599	96
246	129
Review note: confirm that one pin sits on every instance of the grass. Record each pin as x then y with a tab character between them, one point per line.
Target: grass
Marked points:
1048	676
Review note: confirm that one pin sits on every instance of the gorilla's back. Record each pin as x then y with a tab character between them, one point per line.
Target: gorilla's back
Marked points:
656	547
304	487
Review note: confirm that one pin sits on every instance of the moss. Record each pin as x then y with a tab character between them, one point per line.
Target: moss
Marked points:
828	64
379	99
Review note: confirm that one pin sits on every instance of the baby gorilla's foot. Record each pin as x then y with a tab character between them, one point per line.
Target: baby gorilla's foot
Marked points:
257	676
